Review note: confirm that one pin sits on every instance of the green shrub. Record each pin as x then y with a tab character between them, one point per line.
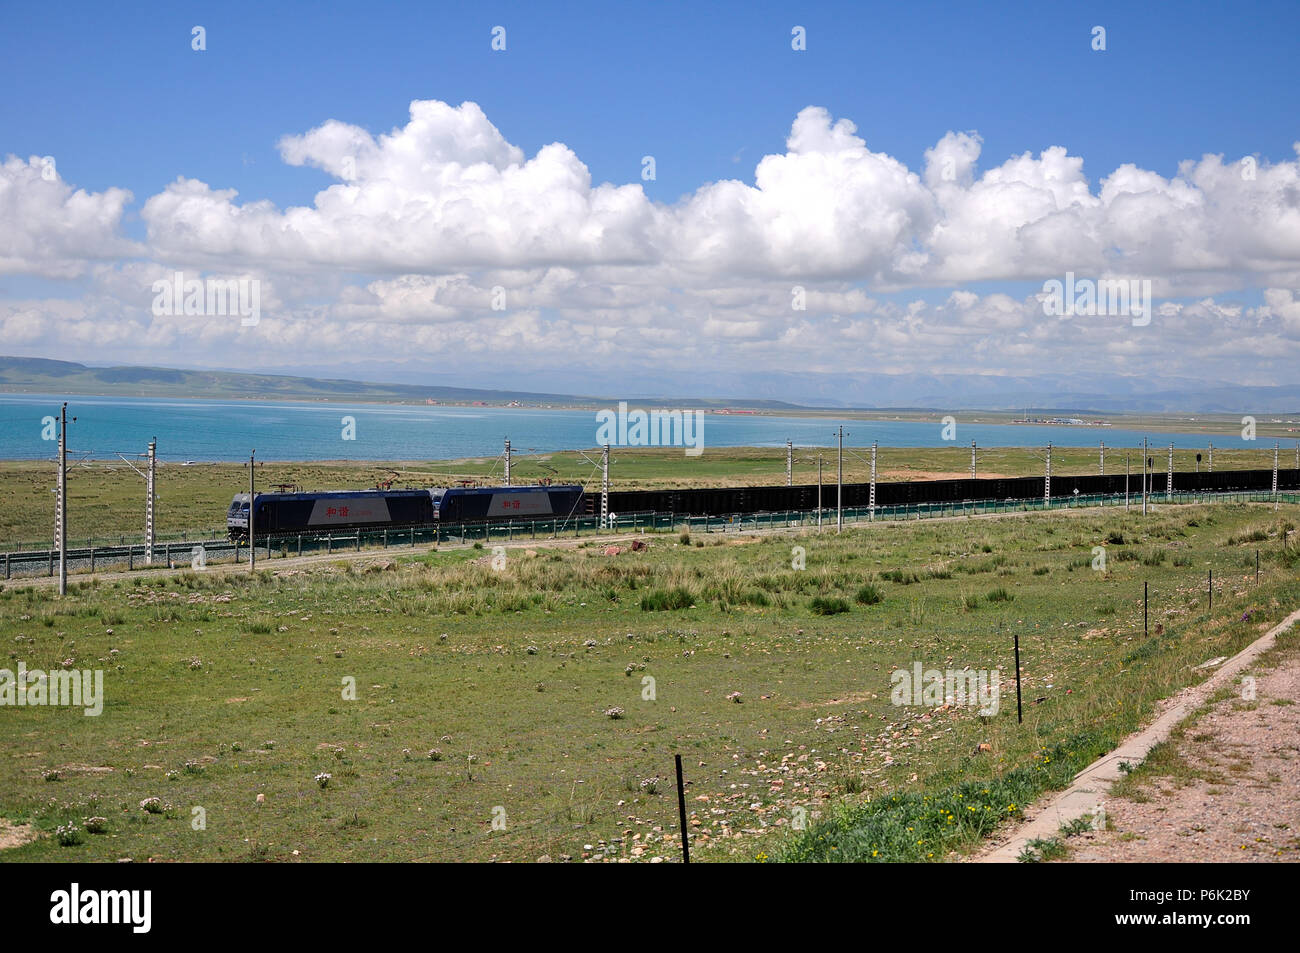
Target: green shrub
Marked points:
1041	849
660	600
828	605
869	595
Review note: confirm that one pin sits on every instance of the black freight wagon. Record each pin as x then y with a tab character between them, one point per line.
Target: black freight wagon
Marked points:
720	501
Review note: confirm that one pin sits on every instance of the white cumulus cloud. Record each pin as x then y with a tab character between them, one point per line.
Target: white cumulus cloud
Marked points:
47	228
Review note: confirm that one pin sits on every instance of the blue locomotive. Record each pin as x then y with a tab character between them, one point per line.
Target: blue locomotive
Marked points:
470	504
280	513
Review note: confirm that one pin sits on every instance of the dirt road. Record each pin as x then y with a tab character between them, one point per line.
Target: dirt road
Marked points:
1223	788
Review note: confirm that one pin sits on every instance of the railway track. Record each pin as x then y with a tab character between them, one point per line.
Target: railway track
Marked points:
202	552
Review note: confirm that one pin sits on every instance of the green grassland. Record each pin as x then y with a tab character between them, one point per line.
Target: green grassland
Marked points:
107	498
522	694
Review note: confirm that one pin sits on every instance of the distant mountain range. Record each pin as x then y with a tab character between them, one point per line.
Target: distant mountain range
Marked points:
782	391
37	375
1115	393
34	375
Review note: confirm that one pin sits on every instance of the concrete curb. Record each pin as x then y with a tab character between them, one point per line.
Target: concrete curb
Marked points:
1093	783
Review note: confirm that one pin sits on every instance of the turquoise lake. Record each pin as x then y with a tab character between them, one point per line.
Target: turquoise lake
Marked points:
208	430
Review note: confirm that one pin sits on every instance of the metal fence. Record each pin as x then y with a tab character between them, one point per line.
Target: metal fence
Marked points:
215	550
122	540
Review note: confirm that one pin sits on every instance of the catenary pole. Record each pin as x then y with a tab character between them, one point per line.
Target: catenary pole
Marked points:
149	501
604	486
252	547
839	485
872	501
61	501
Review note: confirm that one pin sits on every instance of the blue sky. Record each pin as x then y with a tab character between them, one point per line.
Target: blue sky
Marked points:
118	96
117	93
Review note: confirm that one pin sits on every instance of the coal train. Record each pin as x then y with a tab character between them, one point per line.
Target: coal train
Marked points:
721	501
283	513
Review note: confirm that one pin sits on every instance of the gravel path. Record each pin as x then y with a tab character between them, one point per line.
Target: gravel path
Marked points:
1246	810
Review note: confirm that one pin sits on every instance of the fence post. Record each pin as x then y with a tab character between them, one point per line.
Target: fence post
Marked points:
681	813
1019	712
92	558
300	544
